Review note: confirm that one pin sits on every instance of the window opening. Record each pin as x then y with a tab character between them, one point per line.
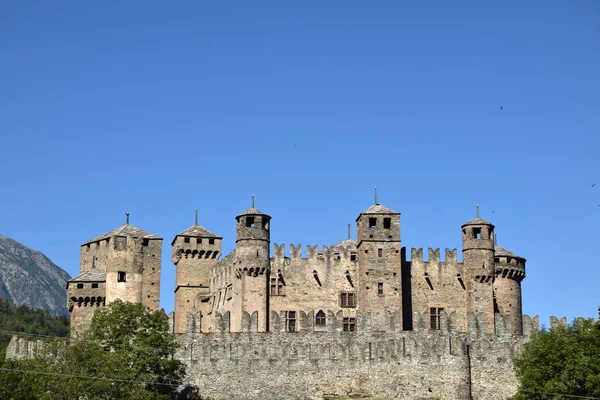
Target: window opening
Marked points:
320	319
379	252
372	223
348	300
434	317
250	222
94	286
353	257
276	287
186	240
477	233
121	276
199	241
380	288
80	286
349	324
387	223
211	241
291	321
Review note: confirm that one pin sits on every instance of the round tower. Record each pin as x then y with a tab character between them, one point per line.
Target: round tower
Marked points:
253	254
510	271
479	268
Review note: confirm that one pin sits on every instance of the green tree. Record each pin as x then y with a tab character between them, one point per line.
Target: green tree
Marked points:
563	361
127	354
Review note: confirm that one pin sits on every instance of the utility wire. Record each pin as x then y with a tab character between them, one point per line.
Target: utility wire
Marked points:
88	377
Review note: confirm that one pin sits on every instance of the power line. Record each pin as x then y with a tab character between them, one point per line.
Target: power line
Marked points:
88	377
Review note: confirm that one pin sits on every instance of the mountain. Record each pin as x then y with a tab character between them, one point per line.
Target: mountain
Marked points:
29	278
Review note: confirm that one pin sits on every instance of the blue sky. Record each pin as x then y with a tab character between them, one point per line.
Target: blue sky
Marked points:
158	109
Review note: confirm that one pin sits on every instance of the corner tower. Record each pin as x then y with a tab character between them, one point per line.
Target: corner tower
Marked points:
479	268
195	252
379	260
253	253
510	271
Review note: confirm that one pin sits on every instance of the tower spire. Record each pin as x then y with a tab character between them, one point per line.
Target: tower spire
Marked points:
348	231
196	220
477	211
127	218
252	201
376	201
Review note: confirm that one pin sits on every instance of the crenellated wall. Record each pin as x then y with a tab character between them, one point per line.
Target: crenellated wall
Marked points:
312	363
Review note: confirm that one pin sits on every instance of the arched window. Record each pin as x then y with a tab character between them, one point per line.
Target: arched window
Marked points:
320	318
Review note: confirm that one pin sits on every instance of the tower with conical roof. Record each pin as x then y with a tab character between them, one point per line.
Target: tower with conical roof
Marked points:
510	271
479	268
253	254
122	264
379	260
195	252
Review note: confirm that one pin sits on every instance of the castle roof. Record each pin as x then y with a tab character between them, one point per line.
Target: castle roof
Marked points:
126	230
198	231
379	209
502	252
252	211
477	221
92	275
348	244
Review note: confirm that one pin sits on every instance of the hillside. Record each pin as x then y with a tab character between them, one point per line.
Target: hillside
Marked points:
29	278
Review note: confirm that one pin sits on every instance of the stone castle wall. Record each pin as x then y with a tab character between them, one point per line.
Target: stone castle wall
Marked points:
394	364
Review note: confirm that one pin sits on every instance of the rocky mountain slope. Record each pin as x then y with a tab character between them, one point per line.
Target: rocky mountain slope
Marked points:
27	277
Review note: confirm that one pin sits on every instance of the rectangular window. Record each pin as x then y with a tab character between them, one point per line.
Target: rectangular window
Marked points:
80	286
250	222
121	276
94	286
348	300
265	223
379	252
387	223
145	242
199	241
380	288
186	240
320	319
276	287
434	317
353	257
349	324
211	241
477	233
372	223
291	321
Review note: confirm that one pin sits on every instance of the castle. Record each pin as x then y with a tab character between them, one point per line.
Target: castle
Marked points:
356	319
369	274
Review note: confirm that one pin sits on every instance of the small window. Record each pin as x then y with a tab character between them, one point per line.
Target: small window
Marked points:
477	233
372	223
121	276
379	252
380	288
387	223
80	286
198	240
276	287
94	286
348	300
145	242
349	324
320	318
434	317
186	240
265	223
211	241
250	222
353	257
291	321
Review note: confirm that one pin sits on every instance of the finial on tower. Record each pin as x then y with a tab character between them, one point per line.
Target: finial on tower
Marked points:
348	231
252	201
376	201
477	211
196	220
127	218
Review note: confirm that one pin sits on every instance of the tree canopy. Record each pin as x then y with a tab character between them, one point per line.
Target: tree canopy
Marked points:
128	353
564	360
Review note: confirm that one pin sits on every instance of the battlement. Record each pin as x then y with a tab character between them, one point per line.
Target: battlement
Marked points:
433	256
327	253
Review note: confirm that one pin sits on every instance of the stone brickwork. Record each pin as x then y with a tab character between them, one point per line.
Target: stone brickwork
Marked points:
391	364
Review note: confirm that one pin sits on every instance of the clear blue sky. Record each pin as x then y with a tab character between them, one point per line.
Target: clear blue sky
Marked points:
161	108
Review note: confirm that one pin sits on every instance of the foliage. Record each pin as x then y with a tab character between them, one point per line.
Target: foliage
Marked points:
562	360
26	320
127	354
